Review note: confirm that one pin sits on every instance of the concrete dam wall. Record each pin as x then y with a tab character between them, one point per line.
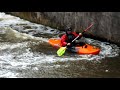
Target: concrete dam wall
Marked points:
106	24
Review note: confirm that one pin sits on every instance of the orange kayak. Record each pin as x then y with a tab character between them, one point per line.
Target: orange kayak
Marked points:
85	49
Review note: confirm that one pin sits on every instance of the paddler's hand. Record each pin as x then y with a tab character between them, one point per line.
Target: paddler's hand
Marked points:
80	33
68	44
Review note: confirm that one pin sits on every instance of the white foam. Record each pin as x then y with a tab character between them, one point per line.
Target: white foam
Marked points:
7	74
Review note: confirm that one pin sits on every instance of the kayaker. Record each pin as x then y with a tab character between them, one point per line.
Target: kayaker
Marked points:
67	38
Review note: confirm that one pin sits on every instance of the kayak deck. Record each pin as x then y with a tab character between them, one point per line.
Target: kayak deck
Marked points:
85	49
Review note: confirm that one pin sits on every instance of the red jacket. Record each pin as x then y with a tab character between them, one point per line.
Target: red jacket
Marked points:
64	38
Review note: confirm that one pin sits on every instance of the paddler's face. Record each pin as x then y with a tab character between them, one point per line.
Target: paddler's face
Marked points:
69	32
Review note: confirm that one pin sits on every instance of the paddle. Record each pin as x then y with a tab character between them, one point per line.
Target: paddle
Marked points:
62	50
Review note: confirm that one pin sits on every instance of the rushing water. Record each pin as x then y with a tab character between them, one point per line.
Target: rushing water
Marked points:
25	52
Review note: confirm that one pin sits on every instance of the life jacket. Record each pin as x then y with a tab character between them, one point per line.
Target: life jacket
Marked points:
70	37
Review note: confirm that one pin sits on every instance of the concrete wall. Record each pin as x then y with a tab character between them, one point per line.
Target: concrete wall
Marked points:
106	24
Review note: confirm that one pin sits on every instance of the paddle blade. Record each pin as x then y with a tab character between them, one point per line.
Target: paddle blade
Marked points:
61	51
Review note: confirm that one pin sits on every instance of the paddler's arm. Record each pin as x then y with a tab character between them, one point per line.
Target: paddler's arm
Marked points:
80	35
63	40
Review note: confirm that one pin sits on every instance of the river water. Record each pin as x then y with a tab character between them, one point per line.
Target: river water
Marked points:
25	53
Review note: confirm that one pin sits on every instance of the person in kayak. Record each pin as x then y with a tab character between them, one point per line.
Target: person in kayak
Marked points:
67	38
